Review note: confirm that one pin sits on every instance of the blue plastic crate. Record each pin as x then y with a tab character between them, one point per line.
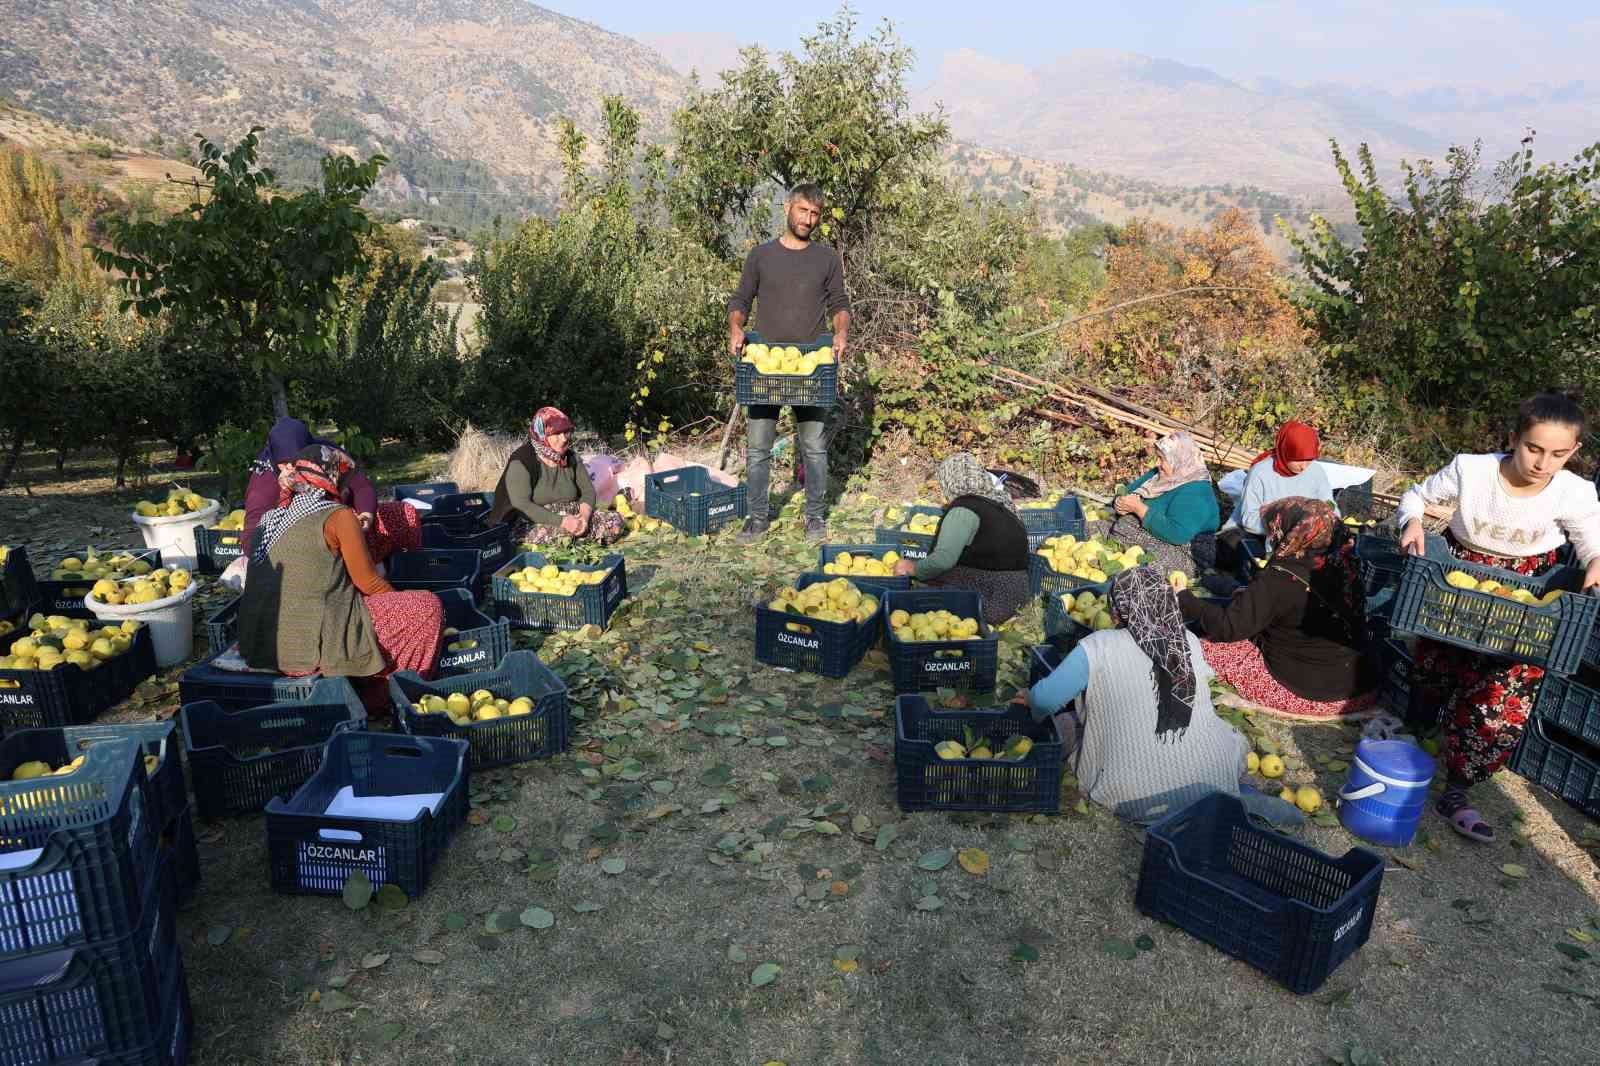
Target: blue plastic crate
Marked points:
458	513
1059	628
426	491
1042	662
1572	707
910	545
79	848
489	640
18	589
242	757
1561	763
1060	519
222	627
923	781
68	694
543	732
818	389
690	500
216	549
312	852
590	605
168	792
177	840
96	1001
235	689
436	569
1396	690
492	543
922	666
1284	907
1555	637
831	649
830	552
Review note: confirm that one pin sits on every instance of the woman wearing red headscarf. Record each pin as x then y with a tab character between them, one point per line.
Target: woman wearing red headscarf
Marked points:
1287	469
313	601
545	489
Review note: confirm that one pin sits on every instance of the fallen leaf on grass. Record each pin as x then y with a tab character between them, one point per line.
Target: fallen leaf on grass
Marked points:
454	921
218	935
937	859
537	918
587	906
390	898
374	960
886	837
929	903
1511	869
736	953
1118	948
427	956
764	974
1580	936
357	891
1572	951
478	816
974	860
613	866
333	1000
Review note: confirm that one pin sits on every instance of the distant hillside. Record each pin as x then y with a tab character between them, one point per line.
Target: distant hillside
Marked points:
463	95
1158	120
133	177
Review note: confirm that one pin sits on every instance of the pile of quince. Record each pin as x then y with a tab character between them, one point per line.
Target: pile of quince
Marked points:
932	625
551	580
827	601
973	746
1271	767
457	645
862	565
1094	559
480	706
235	520
636	523
1089	610
39	768
922	522
57	641
1467	583
92	567
147	588
179	501
779	360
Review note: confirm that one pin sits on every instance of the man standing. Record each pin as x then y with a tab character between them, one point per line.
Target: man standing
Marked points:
800	286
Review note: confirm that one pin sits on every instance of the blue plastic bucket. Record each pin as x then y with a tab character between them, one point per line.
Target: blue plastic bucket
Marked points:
1385	791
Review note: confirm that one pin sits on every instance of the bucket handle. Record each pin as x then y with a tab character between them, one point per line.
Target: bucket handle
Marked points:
1362	792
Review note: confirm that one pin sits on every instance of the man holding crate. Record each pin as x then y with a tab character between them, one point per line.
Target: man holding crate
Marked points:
800	285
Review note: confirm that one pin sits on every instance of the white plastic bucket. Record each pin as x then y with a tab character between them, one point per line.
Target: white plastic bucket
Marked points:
174	534
170	621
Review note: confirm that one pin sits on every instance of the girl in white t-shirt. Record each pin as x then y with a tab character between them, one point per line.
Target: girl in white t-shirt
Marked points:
1513	510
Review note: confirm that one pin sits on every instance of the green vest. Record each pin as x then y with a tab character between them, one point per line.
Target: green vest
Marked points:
300	613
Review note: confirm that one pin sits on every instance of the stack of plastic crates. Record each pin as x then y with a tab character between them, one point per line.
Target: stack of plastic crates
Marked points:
90	969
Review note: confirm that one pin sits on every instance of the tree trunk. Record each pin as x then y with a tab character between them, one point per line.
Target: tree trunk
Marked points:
61	460
280	397
122	467
11	459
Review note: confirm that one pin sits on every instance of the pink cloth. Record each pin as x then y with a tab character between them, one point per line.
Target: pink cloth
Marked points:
1240	664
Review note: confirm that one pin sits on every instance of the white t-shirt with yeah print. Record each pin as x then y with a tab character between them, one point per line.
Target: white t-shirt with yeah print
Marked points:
1490	519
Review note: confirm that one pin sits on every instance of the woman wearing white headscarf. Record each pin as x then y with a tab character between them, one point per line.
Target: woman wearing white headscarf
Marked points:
981	543
1175	501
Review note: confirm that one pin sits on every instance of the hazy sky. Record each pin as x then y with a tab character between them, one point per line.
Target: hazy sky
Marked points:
1393	42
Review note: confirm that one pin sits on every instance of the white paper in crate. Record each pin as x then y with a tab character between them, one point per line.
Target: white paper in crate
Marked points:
329	860
1340	476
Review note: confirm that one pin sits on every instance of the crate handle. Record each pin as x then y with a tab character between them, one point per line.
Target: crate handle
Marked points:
282	723
796	627
348	836
1361	793
396	751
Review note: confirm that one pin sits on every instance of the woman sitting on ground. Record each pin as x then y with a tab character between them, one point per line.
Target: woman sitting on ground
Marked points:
1151	743
545	489
313	602
389	527
1175	501
1293	639
981	543
1288	468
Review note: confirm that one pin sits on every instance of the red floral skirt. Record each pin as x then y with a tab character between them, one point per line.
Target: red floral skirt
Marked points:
395	528
1241	665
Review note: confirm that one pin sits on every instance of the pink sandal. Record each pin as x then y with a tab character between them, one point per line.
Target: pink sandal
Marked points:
1464	819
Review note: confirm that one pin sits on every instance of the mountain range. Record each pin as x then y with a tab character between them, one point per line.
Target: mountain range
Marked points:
464	96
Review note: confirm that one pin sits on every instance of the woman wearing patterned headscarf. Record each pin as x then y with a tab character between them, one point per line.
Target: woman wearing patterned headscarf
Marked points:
1151	743
1292	640
313	601
1174	502
981	543
545	489
389	527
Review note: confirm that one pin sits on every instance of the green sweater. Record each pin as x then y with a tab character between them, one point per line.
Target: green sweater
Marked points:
955	533
534	489
1180	515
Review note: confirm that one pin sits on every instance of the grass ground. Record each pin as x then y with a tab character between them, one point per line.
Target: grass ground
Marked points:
692	764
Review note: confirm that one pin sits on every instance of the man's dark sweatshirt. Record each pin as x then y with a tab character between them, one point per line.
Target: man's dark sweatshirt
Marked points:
799	291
